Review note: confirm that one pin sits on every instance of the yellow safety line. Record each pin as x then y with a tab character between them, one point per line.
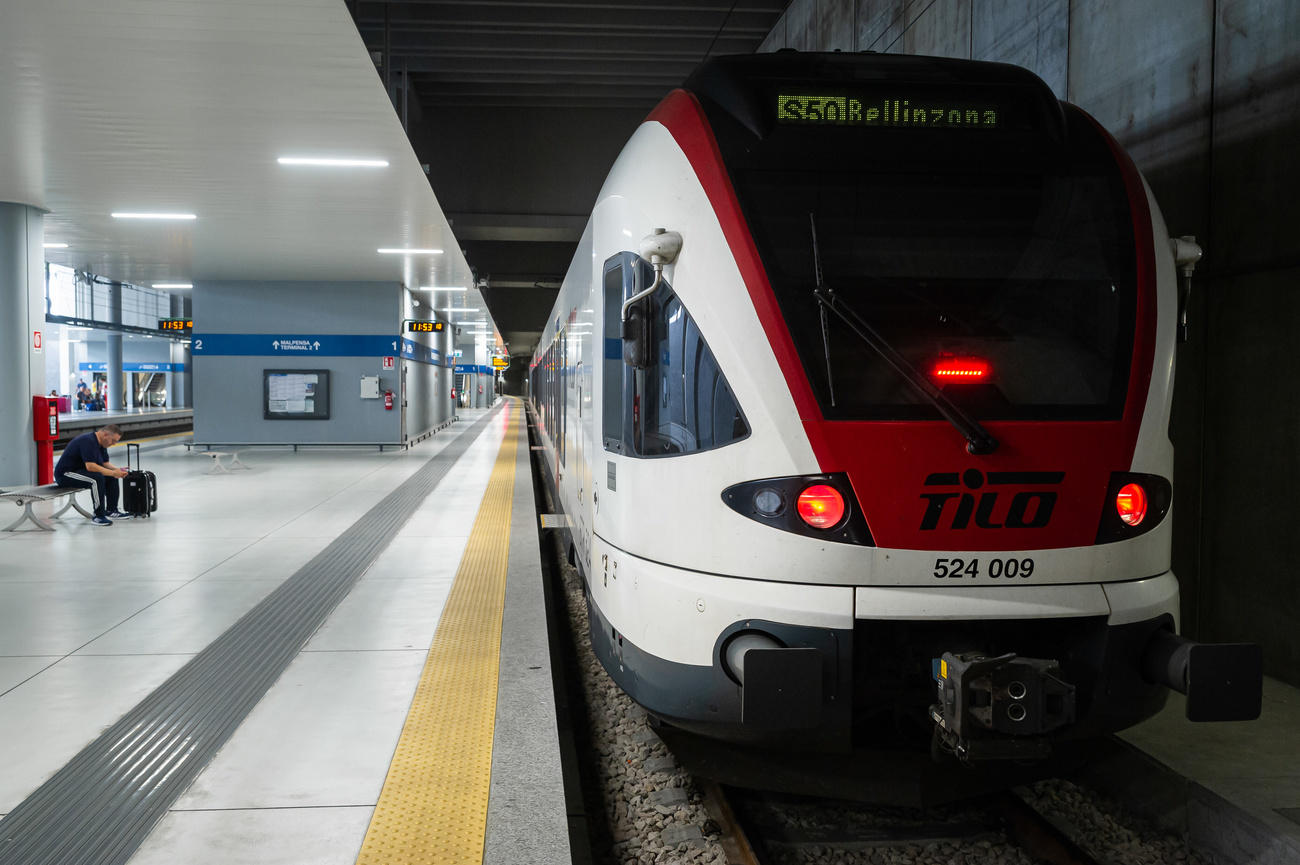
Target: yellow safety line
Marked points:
433	807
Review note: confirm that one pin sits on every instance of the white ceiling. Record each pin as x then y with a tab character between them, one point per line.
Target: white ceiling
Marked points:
184	105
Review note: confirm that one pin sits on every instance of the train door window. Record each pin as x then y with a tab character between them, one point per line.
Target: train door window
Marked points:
618	285
681	403
561	344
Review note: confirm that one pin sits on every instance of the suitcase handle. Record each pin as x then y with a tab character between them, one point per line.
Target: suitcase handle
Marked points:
137	456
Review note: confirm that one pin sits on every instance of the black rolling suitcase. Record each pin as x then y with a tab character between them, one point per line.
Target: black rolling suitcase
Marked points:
139	487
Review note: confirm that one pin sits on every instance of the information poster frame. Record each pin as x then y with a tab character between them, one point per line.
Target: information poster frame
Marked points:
295	394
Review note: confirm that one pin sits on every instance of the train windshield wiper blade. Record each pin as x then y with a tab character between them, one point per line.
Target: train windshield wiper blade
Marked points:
978	439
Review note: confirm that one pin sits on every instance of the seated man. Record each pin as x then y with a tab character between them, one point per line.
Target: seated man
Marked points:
85	464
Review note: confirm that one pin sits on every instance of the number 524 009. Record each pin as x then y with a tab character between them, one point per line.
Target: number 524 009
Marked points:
996	569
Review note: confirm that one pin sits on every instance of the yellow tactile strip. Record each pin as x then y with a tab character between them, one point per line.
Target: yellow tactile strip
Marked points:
433	808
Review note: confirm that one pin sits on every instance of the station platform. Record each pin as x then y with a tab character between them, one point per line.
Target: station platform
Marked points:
1231	789
336	656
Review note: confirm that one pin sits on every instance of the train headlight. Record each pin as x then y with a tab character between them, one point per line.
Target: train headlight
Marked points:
821	506
1134	505
768	502
815	506
1131	504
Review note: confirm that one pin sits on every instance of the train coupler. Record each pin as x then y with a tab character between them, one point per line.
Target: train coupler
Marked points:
999	708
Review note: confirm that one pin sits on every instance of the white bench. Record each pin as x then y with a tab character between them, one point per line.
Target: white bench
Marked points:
217	465
28	496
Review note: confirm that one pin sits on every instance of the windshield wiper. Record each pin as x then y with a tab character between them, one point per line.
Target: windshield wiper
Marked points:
826	325
978	439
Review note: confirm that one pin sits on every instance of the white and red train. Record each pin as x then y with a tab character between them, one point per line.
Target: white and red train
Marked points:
857	396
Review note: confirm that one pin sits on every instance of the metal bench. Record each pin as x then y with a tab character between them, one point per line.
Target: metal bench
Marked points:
217	465
25	497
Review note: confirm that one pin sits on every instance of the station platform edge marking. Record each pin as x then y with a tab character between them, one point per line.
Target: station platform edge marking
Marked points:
433	805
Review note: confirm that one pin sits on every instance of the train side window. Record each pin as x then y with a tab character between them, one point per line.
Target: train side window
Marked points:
684	404
681	403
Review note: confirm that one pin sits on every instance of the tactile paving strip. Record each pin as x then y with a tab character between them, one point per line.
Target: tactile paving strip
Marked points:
98	808
433	807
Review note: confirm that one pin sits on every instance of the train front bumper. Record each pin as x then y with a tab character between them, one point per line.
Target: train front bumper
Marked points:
825	680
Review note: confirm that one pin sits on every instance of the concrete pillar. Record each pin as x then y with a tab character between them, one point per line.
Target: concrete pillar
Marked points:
22	313
117	392
178	383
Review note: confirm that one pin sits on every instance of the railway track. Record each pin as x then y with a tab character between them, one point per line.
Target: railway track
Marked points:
765	829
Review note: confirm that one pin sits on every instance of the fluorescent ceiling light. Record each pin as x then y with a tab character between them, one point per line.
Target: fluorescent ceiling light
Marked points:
54	245
333	163
441	288
173	285
154	216
460	309
386	251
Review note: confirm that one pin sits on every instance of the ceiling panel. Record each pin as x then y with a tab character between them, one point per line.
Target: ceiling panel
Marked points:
185	105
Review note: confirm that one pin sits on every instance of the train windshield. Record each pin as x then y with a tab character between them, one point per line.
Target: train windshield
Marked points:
997	258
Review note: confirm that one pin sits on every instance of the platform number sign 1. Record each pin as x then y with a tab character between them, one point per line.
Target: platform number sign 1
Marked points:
390	363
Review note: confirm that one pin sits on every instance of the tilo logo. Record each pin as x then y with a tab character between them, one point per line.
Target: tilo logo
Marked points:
1028	509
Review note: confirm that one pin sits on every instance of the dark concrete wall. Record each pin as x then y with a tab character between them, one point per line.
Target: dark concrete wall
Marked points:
1205	94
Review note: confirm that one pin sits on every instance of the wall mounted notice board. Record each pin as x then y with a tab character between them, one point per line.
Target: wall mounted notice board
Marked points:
295	394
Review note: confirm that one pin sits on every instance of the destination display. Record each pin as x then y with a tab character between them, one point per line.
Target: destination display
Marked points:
424	326
176	325
892	110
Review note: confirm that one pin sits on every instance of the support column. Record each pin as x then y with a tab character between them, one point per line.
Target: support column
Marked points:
117	390
178	382
22	313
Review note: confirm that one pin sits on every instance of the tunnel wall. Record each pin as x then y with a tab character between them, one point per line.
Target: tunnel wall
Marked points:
1205	96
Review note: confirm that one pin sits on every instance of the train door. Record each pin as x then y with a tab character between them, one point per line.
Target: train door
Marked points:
610	504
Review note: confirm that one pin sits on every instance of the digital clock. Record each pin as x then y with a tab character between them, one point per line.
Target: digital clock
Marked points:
424	326
177	325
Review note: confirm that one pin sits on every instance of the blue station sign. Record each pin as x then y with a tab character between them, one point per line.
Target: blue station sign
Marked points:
133	367
312	345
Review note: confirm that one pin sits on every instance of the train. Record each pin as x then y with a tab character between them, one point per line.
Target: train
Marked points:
856	400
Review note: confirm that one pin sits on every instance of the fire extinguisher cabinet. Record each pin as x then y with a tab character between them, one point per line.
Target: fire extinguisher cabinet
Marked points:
45	431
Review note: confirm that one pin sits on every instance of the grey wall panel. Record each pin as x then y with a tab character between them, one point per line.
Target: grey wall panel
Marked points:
228	389
1143	70
834	25
1252	467
800	30
775	39
1029	33
1257	134
880	24
1252	419
939	29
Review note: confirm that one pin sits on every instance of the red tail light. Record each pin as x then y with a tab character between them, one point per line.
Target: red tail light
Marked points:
1131	504
821	506
961	369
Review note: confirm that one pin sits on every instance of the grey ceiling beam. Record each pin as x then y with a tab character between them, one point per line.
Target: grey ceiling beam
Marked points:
521	227
506	65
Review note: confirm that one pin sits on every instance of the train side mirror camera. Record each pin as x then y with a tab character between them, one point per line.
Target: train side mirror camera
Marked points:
659	248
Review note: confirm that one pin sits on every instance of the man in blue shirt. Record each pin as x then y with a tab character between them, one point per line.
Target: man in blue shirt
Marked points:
85	464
